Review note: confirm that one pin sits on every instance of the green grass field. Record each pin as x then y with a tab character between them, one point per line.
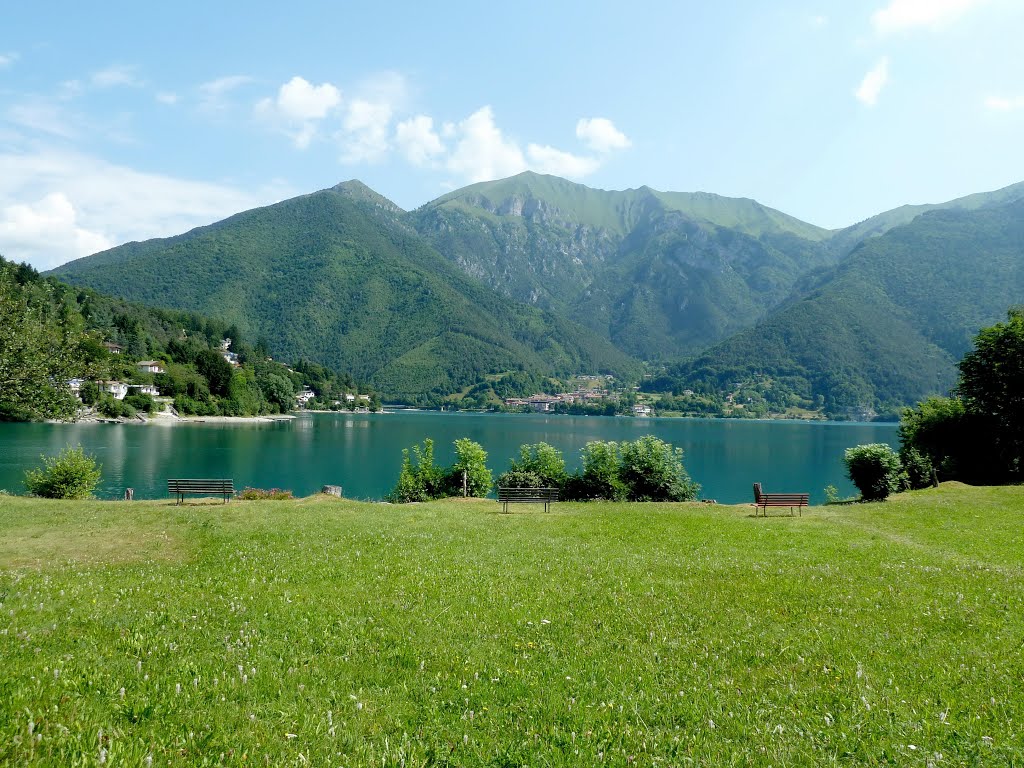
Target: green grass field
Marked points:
330	632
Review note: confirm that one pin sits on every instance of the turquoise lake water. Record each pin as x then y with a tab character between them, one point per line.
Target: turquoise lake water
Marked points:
363	452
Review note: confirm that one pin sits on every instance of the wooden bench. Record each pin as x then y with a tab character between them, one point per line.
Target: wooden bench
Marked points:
545	496
792	500
179	488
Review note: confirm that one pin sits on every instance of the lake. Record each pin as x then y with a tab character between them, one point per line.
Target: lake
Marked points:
363	452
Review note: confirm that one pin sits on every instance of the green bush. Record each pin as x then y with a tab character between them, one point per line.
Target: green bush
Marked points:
918	467
520	478
600	473
264	494
110	406
652	470
541	460
420	482
875	469
471	458
71	474
140	401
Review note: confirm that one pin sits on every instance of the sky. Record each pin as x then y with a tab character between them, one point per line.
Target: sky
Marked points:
123	121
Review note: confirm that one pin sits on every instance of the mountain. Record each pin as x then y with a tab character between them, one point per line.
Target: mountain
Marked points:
885	327
845	240
339	277
660	274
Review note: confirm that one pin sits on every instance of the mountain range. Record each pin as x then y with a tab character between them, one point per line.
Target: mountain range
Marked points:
538	274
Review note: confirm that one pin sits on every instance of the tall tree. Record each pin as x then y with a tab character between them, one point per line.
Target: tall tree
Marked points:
992	388
38	354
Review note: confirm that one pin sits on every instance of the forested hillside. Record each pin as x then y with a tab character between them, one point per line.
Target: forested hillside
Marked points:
885	328
51	333
660	274
338	278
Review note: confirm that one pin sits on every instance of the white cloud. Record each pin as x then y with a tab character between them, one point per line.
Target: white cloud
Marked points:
365	135
213	94
42	116
418	141
901	15
6	59
167	97
544	159
299	108
481	152
50	224
112	77
83	204
1004	103
600	134
299	99
873	83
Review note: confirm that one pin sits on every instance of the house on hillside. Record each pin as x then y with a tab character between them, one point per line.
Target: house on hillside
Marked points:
116	388
150	366
112	348
642	410
303	398
145	389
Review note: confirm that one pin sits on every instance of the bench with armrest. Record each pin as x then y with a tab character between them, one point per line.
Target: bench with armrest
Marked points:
179	488
764	500
545	496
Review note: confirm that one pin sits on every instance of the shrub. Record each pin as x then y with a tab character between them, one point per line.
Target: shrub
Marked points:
89	392
113	408
262	494
71	474
602	464
140	401
471	458
539	459
918	468
875	469
520	478
652	470
421	482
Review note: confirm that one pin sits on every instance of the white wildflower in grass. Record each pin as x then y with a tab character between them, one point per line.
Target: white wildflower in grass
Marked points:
120	693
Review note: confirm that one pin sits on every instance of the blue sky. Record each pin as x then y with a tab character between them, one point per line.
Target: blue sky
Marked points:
143	119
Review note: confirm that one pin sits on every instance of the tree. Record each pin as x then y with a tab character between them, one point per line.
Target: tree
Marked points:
992	390
600	477
38	356
875	469
420	482
538	465
471	459
652	470
216	370
71	474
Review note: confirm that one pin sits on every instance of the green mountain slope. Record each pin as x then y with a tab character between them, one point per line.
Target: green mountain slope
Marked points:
337	278
885	328
660	274
844	240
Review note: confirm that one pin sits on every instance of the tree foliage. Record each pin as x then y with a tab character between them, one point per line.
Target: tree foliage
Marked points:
39	351
875	469
991	388
71	474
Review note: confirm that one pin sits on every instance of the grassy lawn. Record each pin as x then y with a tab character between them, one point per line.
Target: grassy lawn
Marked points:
330	632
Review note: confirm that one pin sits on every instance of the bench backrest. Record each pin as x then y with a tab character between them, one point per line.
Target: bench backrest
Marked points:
201	486
527	494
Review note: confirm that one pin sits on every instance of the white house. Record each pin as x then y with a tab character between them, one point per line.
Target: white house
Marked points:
150	366
116	388
305	396
146	389
642	410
